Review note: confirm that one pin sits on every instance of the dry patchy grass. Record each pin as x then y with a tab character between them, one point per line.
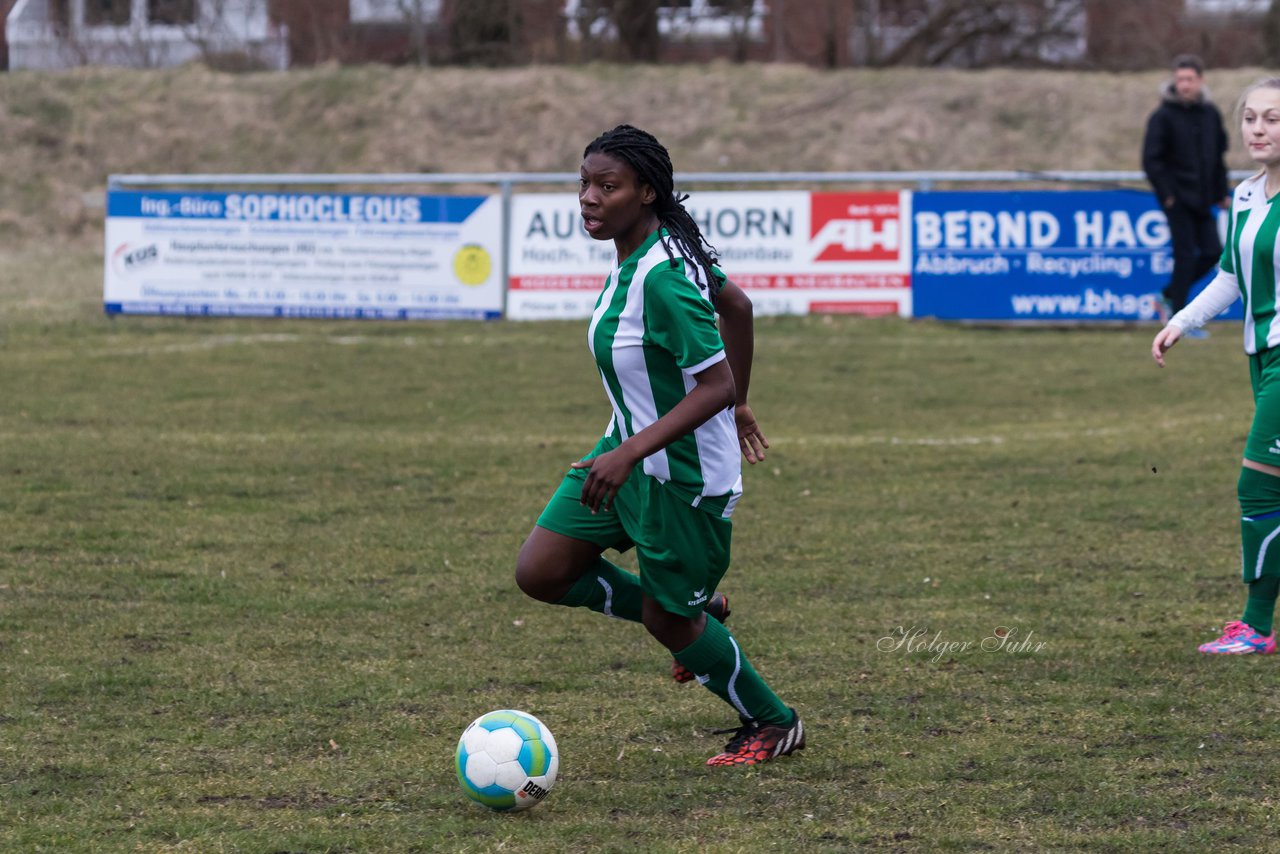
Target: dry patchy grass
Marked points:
69	131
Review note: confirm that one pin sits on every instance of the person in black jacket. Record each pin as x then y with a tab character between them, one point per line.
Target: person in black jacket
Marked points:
1182	155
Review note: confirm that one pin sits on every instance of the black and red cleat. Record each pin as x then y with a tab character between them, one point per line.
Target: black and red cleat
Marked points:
717	606
753	744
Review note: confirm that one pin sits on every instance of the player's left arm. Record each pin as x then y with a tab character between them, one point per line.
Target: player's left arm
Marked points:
712	392
737	329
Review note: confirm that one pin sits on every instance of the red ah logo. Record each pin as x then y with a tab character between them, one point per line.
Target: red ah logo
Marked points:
855	226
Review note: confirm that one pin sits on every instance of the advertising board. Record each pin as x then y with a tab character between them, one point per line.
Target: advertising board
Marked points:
1099	255
794	252
303	255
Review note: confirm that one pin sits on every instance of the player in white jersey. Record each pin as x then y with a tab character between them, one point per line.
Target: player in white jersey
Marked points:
666	476
1249	270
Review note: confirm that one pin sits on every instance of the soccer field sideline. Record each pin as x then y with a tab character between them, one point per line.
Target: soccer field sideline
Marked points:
583	439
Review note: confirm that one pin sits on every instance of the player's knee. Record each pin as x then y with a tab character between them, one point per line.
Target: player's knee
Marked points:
536	585
525	581
532	574
548	567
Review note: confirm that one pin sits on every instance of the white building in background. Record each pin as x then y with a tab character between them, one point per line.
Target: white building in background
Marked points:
1210	8
677	19
50	34
393	11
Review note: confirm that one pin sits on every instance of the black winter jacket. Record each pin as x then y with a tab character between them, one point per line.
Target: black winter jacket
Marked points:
1182	152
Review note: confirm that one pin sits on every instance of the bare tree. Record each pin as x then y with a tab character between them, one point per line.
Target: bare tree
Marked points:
219	29
487	32
740	15
1271	29
970	32
319	30
417	14
638	30
819	32
628	27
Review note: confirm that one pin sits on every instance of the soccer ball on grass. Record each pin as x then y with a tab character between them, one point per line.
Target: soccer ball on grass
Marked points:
507	760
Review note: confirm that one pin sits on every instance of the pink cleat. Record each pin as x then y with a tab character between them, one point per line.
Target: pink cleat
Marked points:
1240	639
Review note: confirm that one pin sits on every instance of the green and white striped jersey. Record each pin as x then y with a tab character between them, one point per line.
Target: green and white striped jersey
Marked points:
1250	255
652	330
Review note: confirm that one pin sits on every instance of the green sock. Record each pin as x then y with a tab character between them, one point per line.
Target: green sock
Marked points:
1260	608
608	590
1259	494
721	666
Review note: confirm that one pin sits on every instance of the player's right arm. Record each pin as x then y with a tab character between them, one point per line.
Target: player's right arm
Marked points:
1216	297
1164	339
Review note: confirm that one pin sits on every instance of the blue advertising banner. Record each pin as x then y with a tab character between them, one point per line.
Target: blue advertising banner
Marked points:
1040	255
329	255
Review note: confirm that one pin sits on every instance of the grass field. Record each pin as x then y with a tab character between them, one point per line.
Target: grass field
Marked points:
256	577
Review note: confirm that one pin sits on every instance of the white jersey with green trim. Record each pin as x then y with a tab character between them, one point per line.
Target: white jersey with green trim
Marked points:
652	330
1251	256
1248	269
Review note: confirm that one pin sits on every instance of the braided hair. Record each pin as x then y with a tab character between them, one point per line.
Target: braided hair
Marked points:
649	158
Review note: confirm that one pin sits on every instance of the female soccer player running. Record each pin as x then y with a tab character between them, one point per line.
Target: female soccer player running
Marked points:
1249	268
667	473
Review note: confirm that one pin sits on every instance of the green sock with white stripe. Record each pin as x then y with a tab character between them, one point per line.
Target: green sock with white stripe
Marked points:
1259	495
723	668
608	590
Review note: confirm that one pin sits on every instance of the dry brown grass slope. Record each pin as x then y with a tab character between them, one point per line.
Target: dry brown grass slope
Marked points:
64	133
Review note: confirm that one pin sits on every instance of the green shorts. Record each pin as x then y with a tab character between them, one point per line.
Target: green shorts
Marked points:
682	551
1263	445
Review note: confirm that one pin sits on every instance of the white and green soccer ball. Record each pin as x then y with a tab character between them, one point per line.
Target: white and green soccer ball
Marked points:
507	760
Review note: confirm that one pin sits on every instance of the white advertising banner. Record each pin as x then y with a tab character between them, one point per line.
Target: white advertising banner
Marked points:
303	255
794	252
